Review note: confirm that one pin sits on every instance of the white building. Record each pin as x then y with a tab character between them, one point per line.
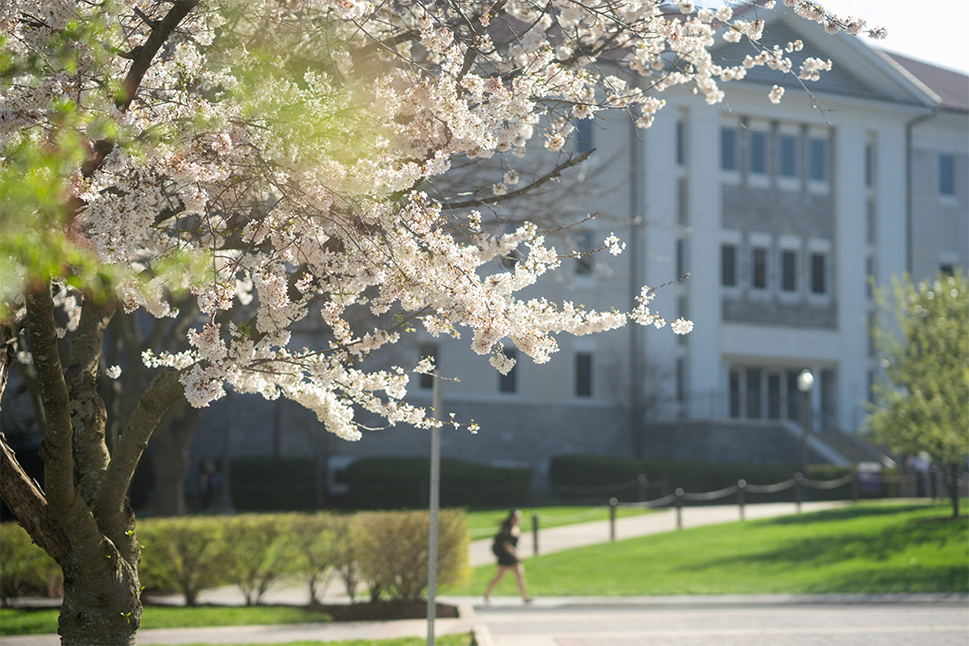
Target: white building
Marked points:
779	213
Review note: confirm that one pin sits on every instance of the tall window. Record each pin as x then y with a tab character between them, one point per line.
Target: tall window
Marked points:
869	275
734	393
583	374
793	396
728	265
788	154
428	350
818	159
583	245
509	383
753	393
680	380
789	270
758	153
680	257
728	148
758	263
869	164
680	143
947	175
818	282
584	136
773	395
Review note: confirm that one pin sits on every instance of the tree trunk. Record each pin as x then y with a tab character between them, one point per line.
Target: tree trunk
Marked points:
105	615
170	459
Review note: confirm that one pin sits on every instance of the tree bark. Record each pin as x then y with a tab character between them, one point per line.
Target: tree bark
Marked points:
28	504
100	615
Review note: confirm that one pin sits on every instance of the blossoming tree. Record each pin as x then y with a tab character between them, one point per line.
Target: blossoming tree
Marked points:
275	160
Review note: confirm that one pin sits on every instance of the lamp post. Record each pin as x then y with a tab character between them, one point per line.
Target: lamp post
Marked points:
805	381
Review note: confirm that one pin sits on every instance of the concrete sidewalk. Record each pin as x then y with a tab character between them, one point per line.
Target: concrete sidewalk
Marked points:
337	631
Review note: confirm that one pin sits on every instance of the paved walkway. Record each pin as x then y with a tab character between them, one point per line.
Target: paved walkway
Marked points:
822	620
569	537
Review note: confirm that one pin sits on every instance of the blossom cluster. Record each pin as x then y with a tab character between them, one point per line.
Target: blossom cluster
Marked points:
283	151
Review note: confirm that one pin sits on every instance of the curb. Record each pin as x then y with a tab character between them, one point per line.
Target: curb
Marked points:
480	635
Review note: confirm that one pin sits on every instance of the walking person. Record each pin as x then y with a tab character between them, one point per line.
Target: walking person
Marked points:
506	549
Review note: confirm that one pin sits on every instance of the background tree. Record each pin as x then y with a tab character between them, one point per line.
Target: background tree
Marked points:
282	156
923	402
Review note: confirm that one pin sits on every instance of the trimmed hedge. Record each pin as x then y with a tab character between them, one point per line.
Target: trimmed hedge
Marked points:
386	550
598	472
267	483
402	483
24	567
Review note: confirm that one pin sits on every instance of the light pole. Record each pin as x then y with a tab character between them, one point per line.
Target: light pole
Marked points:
805	381
435	503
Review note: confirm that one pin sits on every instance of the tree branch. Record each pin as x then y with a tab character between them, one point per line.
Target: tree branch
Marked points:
164	390
64	502
56	449
89	415
555	172
28	504
160	31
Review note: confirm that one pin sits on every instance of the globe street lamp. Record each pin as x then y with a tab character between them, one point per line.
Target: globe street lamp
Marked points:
805	381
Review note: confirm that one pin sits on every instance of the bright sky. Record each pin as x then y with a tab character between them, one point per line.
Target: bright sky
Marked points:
930	31
933	32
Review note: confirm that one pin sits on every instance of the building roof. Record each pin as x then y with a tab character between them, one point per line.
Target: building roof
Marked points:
951	88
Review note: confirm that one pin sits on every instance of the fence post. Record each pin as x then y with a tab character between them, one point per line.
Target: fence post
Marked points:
741	486
642	487
854	489
679	507
613	503
797	490
535	532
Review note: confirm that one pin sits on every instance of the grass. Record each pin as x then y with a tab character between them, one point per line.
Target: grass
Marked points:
441	640
483	523
32	622
868	548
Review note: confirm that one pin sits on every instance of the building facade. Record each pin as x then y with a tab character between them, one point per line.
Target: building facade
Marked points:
784	216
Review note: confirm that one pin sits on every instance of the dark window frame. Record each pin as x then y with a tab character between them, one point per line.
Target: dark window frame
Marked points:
428	350
787	162
759	269
728	270
508	384
758	158
728	158
583	375
947	174
819	273
789	270
818	159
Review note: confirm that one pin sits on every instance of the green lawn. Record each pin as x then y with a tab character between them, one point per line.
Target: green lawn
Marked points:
29	622
483	523
866	548
441	640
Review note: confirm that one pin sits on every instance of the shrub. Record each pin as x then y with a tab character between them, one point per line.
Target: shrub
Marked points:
345	554
259	552
24	567
395	483
318	541
393	555
184	554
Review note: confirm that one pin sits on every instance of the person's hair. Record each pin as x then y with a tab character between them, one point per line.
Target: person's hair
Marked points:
506	524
